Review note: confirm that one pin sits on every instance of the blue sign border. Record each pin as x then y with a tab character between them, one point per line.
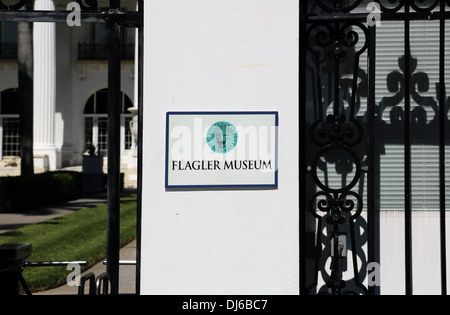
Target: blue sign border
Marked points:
218	187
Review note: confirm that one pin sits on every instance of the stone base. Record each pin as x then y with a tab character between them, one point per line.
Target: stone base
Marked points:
130	178
94	182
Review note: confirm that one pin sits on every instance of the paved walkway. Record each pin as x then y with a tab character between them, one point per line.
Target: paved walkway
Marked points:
127	275
11	221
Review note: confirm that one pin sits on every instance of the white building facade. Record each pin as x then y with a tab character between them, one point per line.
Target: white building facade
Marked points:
70	96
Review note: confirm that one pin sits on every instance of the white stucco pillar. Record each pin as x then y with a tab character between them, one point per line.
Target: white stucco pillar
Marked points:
44	87
215	55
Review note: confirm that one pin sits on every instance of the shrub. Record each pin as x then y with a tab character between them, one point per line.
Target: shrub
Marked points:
28	192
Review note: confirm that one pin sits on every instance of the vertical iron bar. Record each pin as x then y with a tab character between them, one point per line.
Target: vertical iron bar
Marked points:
407	142
302	145
25	80
372	188
336	275
442	138
337	99
114	110
140	79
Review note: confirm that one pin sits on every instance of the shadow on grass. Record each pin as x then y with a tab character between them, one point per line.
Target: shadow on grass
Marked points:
11	233
49	223
127	202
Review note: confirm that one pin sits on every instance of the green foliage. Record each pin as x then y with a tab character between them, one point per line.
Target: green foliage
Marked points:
27	192
80	235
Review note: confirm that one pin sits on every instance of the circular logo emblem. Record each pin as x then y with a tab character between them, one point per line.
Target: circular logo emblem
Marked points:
222	137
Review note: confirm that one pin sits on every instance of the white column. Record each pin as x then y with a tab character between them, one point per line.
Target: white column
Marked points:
44	87
135	108
63	117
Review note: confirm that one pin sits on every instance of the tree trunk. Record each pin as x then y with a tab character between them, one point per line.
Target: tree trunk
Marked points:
25	67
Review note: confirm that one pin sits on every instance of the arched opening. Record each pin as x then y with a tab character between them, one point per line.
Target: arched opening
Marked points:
9	123
96	123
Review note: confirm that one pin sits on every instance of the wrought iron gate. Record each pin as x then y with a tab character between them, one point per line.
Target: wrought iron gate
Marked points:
117	20
346	125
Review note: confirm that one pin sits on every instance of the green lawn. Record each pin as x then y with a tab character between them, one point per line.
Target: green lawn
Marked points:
80	235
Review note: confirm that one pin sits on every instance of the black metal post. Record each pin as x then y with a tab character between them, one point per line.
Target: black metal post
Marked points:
442	155
408	170
373	157
302	148
140	66
114	104
25	77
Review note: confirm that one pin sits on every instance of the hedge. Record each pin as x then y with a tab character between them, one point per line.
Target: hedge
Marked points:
28	192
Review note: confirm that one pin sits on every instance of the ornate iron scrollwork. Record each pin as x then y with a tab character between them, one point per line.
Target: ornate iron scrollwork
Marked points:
335	141
391	5
337	135
338	5
89	6
86	5
335	39
336	128
13	7
417	5
341	6
424	5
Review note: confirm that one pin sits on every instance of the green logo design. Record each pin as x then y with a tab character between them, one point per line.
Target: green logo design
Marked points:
222	137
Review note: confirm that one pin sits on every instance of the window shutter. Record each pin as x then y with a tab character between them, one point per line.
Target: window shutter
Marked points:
424	138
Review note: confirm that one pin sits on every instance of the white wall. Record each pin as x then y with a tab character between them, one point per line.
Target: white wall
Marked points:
425	252
8	77
207	55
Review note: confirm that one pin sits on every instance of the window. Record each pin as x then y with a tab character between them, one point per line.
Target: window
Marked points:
100	41
96	123
9	123
102	125
8	40
424	114
128	135
11	137
97	48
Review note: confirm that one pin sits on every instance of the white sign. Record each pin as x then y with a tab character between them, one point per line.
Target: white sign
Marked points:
221	150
